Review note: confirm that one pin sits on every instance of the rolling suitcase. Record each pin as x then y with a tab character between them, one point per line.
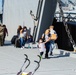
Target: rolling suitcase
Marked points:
14	39
17	43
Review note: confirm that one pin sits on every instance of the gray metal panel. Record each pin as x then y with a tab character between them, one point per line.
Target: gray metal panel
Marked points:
46	18
17	12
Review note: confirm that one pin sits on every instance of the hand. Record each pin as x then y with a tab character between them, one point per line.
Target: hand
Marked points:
44	42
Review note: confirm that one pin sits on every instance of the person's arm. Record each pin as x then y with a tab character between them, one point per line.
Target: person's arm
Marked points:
7	31
42	35
52	37
48	40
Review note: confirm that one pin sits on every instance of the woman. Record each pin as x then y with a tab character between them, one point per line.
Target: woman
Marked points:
18	30
25	33
46	37
22	40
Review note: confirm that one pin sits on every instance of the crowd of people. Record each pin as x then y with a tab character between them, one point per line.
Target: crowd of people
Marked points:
18	40
23	36
45	43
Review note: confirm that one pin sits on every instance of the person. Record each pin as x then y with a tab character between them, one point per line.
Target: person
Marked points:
5	32
22	41
52	41
1	35
18	30
41	46
30	39
45	37
25	33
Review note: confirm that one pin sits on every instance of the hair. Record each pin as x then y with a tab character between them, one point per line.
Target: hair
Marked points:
41	39
51	26
21	31
25	27
4	25
20	27
46	31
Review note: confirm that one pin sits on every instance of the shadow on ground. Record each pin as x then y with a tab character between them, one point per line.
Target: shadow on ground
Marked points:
7	43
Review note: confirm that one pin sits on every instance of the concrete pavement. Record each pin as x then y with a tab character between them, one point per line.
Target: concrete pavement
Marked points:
11	59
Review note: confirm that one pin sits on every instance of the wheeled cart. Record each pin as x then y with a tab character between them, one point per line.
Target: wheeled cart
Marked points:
22	72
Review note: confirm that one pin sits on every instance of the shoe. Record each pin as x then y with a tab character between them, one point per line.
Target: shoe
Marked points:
40	57
46	57
21	47
51	53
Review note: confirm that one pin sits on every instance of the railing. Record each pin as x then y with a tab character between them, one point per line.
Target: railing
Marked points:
68	17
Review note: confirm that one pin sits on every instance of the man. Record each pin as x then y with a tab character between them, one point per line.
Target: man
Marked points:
5	32
53	38
1	35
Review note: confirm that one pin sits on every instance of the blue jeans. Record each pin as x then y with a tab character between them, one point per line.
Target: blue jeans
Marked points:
51	45
47	49
22	41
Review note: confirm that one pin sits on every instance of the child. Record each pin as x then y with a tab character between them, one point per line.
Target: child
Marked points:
41	46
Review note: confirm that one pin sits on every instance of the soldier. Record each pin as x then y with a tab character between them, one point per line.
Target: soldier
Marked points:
1	35
5	33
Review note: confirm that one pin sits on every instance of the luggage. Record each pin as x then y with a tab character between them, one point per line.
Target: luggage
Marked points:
14	39
17	43
53	36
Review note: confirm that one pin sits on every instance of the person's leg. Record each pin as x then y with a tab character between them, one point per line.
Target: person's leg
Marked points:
41	53
4	39
46	54
51	47
23	42
47	49
21	39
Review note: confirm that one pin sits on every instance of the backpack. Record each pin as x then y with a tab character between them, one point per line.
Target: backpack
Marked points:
14	39
17	43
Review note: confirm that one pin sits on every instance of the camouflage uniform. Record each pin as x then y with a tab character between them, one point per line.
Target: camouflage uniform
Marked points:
1	35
